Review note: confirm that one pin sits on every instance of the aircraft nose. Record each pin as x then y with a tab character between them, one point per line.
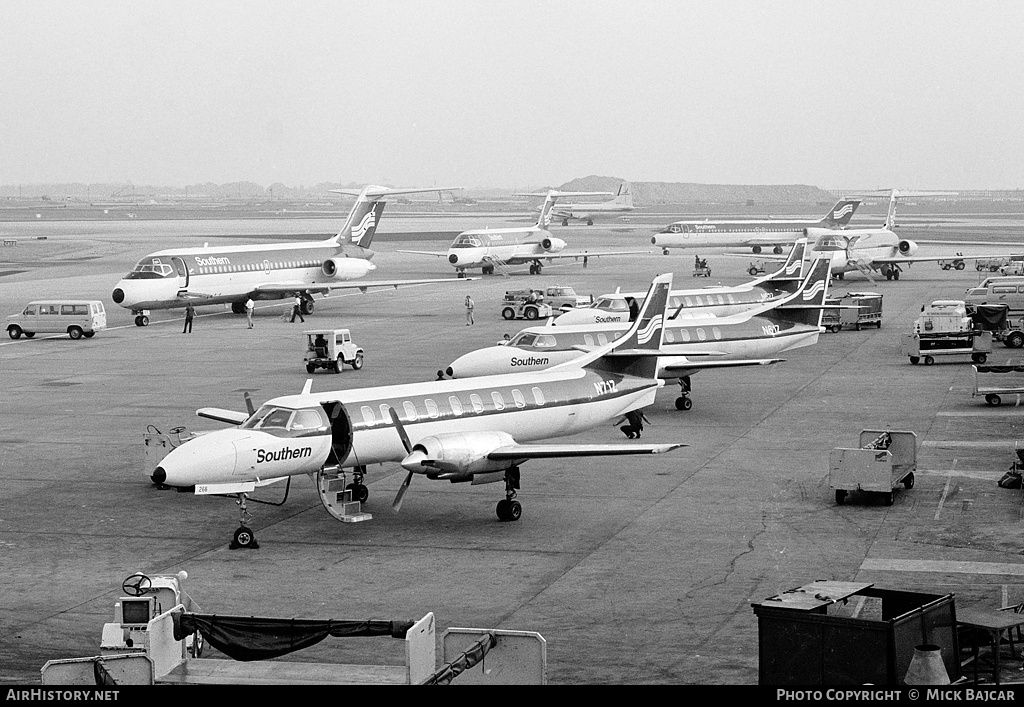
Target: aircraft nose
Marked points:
208	459
117	295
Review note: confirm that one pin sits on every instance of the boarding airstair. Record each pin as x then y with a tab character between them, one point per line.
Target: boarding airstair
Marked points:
497	264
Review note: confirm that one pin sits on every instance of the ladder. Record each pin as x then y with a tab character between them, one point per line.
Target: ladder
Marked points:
498	264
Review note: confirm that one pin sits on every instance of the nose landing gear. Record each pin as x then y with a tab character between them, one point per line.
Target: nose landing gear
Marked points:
510	509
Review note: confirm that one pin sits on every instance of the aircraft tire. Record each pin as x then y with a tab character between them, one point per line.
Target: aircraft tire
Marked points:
515	510
359	492
244	538
683	403
502	509
307	306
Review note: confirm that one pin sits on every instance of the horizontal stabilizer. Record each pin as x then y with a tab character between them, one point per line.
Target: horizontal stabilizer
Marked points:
229	416
387	191
552	451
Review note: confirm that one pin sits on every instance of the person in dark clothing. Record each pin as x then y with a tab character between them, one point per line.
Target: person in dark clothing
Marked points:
190	313
634	424
297	310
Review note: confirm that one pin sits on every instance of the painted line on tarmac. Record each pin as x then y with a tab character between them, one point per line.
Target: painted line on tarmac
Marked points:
986	444
943	566
969	473
981	413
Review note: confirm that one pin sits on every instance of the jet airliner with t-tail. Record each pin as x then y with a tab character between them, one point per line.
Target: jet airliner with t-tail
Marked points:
622	203
474	430
498	248
753	233
751	338
176	277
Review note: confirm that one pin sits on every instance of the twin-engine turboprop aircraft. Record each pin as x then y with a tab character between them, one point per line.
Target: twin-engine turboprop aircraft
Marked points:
498	248
698	302
173	278
469	430
690	344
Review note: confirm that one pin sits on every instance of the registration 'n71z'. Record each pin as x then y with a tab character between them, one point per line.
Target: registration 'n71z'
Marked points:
604	387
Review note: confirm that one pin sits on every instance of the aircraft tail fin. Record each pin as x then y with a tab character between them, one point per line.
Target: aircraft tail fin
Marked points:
793	269
890	217
624	197
361	225
807	304
544	220
841	213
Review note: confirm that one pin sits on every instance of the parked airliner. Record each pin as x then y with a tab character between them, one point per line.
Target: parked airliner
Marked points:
753	233
690	345
469	430
175	277
490	248
698	302
622	203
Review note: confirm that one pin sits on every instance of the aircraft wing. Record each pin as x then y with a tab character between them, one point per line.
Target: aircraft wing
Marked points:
279	288
684	369
220	415
424	252
551	451
935	258
579	254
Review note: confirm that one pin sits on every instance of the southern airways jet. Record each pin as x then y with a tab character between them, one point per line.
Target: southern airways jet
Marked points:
622	203
490	248
173	278
471	430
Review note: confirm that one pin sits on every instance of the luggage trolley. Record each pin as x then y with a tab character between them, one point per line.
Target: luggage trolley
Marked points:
885	459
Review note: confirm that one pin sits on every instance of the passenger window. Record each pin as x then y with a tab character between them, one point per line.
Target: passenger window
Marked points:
717	332
499	402
685	333
67	309
701	335
385	413
669	336
538	396
602	339
368	417
456	404
431	408
689	302
700	301
477	403
518	398
410	411
588	340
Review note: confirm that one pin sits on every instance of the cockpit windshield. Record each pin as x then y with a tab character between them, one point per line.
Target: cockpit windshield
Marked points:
467	242
611	304
831	243
523	338
284	422
150	269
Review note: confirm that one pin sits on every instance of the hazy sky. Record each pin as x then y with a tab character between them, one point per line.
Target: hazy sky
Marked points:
482	93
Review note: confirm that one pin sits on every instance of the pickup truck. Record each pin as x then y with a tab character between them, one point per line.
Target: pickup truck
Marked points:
557	297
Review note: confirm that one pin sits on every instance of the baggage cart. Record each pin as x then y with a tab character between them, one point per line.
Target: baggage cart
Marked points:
928	347
853	311
884	460
998	382
702	272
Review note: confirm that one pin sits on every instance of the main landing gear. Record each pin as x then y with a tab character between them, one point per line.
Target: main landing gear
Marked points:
536	267
683	402
141	318
510	509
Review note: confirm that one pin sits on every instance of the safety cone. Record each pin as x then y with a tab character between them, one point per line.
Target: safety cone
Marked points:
926	667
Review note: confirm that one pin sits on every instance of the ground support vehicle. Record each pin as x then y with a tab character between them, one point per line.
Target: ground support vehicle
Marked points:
928	347
884	460
757	267
995	318
704	271
562	297
998	382
868	311
952	264
76	318
330	349
525	304
159	633
990	264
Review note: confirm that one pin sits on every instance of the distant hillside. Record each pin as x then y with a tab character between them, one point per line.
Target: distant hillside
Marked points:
655	193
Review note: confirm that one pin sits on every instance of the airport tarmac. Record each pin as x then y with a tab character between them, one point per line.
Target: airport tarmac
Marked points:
635	571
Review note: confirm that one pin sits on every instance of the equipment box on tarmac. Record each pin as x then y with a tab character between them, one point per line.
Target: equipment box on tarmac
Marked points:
920	347
885	459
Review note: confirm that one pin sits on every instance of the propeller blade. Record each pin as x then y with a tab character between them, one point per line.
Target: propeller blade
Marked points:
401	430
248	404
396	505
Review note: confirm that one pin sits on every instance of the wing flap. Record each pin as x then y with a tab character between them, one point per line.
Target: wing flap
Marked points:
553	451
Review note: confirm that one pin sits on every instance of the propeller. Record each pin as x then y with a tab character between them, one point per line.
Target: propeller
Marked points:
248	404
397	503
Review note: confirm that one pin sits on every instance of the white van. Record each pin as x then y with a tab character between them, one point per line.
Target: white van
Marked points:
999	290
74	317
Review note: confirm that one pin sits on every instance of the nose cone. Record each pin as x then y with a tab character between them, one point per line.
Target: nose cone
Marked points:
483	362
413	462
208	459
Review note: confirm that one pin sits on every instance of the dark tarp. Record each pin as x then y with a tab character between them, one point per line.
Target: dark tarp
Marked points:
989	317
254	638
1000	369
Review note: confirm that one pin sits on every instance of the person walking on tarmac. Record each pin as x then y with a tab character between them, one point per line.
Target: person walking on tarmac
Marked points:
469	310
190	313
250	307
297	310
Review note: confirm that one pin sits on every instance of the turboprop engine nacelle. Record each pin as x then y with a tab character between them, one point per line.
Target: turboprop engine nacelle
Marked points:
460	456
347	268
552	244
907	247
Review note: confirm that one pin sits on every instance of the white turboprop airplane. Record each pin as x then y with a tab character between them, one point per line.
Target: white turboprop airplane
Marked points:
690	345
622	203
878	250
459	431
173	278
700	302
490	248
753	233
